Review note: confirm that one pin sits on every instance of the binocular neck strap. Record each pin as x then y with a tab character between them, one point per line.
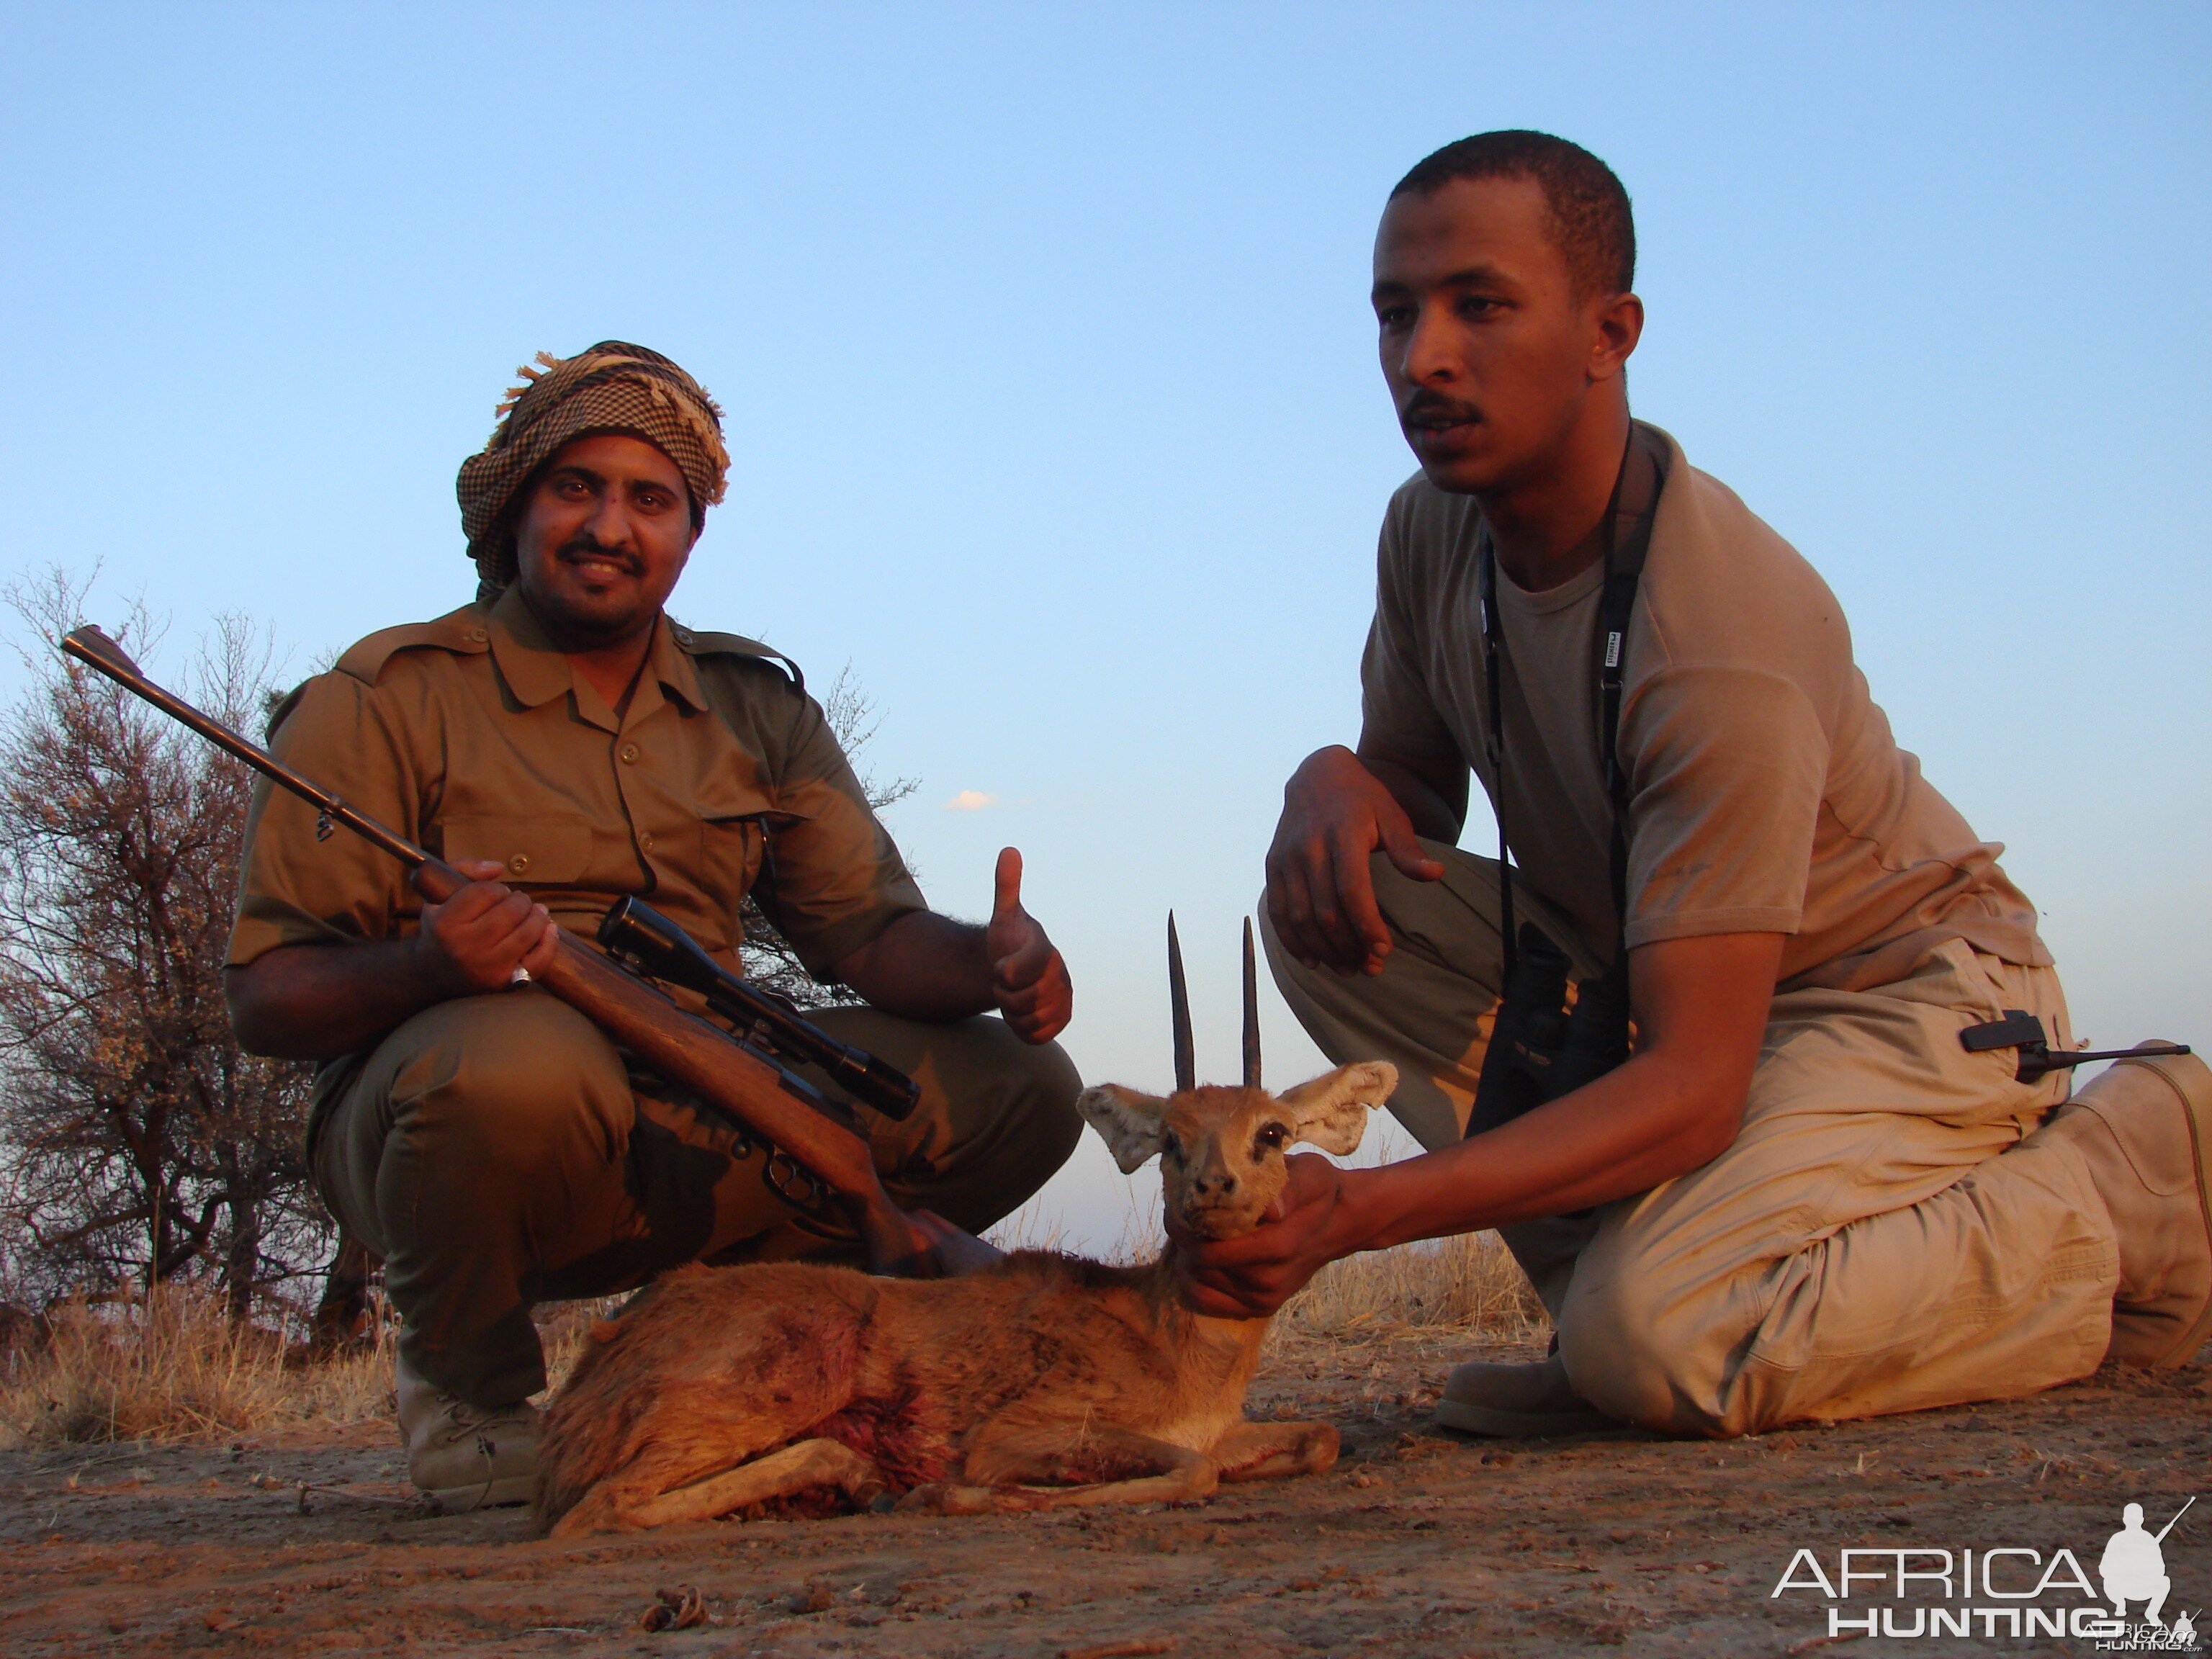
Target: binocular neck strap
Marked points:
1628	515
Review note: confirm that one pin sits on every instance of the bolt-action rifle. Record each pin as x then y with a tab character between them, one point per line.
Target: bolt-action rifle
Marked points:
732	1077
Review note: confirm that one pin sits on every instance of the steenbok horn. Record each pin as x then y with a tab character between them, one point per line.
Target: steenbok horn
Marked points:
1185	1060
1251	1012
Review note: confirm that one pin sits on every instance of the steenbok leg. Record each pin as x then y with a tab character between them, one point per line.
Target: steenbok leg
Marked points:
1270	1451
807	1465
1000	1469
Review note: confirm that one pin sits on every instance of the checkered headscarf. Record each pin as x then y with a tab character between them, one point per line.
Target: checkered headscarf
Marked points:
610	387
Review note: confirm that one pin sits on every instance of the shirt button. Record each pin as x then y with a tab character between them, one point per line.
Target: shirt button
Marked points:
518	863
629	752
477	636
645	842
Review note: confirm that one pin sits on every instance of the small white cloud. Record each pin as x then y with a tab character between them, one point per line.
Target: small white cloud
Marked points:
971	800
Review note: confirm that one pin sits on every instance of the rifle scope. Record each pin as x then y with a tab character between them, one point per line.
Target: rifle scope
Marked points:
638	935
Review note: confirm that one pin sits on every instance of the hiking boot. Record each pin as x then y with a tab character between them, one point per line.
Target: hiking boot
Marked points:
1527	1399
2145	1128
463	1457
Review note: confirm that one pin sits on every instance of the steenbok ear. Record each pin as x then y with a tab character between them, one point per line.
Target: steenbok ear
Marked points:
1331	1111
1129	1122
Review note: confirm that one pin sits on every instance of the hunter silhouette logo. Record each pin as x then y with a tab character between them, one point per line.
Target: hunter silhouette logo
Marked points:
2134	1568
2005	1592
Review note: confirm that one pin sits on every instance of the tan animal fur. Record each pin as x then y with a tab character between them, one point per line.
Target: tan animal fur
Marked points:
1044	1380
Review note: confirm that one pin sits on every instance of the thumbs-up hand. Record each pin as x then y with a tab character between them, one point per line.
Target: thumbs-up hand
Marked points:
1028	980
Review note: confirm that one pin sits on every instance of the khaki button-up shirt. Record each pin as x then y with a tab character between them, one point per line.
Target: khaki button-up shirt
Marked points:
473	736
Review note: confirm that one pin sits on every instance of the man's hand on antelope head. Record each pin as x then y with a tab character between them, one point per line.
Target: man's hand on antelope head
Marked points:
1308	1225
1028	980
1250	1221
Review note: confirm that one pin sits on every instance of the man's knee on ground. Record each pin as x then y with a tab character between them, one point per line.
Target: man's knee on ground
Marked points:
512	1078
1625	1355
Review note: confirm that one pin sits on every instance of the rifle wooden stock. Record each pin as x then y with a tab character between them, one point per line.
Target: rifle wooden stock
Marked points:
678	1045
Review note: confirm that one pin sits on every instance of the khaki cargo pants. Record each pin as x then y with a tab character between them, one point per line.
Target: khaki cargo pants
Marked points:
1876	1240
497	1152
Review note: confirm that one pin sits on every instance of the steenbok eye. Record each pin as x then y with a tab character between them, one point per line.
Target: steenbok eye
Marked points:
1272	1138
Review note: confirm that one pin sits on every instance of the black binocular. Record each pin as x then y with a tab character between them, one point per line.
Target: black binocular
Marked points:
1544	1043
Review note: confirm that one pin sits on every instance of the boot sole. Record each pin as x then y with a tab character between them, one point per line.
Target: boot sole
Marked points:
481	1495
1468	1419
2197	1112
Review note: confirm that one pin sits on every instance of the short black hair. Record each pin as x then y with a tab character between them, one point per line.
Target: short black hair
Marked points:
1590	215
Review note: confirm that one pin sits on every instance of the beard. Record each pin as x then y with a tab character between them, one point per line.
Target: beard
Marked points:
587	595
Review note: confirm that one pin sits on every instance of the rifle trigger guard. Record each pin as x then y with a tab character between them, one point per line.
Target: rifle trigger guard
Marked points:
794	1183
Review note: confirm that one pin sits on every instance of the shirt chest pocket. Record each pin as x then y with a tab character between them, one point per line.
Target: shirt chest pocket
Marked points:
732	838
531	852
731	854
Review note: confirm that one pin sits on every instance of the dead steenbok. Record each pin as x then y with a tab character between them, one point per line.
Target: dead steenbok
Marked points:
1043	1380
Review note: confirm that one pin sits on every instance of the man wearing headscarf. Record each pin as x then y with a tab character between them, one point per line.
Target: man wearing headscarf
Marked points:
564	743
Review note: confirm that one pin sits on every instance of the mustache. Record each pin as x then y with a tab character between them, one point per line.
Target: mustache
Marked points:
1427	407
588	546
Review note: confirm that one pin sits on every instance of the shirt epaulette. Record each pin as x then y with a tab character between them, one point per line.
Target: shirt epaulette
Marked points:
698	642
461	631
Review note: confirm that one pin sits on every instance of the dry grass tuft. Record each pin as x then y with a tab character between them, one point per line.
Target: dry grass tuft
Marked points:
174	1368
1468	1284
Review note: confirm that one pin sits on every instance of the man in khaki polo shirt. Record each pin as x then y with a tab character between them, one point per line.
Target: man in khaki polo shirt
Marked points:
1795	1193
563	743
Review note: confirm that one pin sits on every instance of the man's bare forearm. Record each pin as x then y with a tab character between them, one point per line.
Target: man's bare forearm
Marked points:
926	966
1647	1121
923	966
318	1001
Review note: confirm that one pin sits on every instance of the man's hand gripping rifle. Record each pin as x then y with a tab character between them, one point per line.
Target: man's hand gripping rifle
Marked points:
736	1076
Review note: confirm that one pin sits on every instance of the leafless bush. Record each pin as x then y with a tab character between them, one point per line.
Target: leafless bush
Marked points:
138	1143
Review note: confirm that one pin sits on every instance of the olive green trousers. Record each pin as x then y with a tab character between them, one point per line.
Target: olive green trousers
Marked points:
497	1152
1883	1236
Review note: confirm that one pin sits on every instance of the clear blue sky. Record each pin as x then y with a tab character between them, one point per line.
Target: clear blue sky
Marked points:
1051	382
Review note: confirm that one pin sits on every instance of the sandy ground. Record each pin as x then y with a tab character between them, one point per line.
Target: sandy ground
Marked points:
1416	1544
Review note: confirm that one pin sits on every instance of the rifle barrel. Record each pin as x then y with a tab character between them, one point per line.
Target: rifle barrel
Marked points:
2176	1521
94	648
